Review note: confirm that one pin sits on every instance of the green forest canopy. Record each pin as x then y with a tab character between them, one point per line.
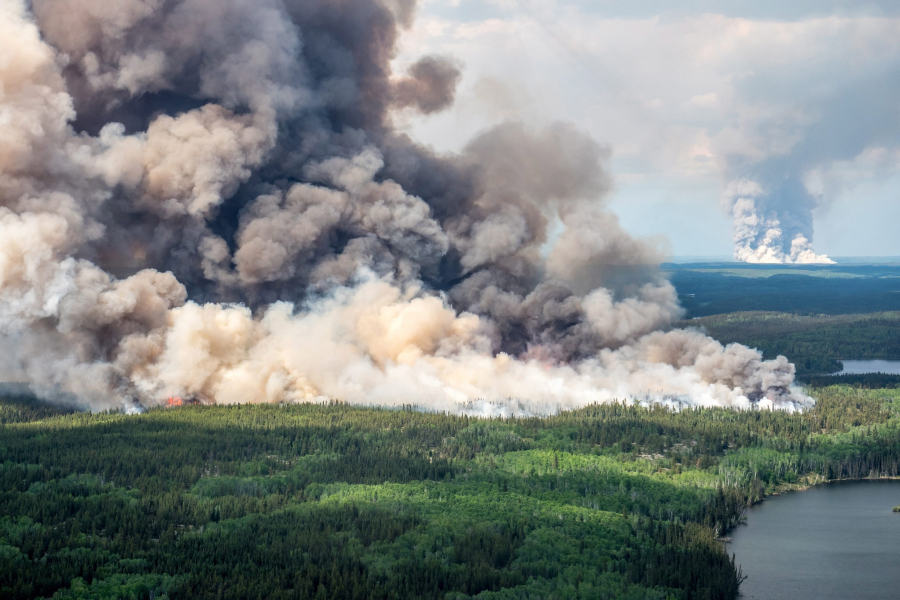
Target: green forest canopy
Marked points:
335	501
718	288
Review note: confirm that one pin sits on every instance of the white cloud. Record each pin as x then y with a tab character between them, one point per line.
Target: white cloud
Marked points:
681	98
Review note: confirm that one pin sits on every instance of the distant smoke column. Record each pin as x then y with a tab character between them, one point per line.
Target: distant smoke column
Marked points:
772	224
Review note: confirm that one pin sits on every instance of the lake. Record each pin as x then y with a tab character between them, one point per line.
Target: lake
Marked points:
835	541
890	367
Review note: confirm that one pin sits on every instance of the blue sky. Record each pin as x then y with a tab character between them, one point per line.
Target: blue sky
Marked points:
690	96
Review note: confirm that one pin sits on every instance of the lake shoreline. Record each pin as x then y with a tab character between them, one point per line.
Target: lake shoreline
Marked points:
834	542
786	488
868	366
802	487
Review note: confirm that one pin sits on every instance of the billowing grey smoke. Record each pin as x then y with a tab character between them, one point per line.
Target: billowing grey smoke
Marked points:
430	87
206	198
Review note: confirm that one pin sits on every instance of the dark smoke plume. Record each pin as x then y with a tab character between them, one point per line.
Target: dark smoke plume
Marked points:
206	199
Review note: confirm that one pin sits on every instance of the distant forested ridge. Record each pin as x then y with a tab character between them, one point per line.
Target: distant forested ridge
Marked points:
335	501
814	315
718	288
813	343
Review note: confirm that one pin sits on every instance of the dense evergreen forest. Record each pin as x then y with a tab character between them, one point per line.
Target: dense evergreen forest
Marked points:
718	288
334	501
814	343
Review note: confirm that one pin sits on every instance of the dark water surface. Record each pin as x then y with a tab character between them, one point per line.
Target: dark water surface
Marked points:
838	541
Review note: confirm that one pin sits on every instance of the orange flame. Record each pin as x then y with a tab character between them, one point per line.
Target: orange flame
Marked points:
174	401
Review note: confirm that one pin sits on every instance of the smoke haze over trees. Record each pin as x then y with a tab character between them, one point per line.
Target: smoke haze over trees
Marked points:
208	200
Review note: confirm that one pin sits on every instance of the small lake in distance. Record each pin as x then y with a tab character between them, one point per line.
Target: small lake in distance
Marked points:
889	367
837	541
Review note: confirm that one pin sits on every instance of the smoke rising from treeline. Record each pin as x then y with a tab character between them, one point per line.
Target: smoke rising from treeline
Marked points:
206	199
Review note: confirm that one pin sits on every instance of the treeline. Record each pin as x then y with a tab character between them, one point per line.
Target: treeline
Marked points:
22	408
866	381
719	289
335	501
813	343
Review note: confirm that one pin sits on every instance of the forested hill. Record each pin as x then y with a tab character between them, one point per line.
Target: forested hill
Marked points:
814	315
717	288
310	501
814	343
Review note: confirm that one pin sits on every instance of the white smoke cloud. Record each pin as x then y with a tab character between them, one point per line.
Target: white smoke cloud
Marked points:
254	231
373	343
194	161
